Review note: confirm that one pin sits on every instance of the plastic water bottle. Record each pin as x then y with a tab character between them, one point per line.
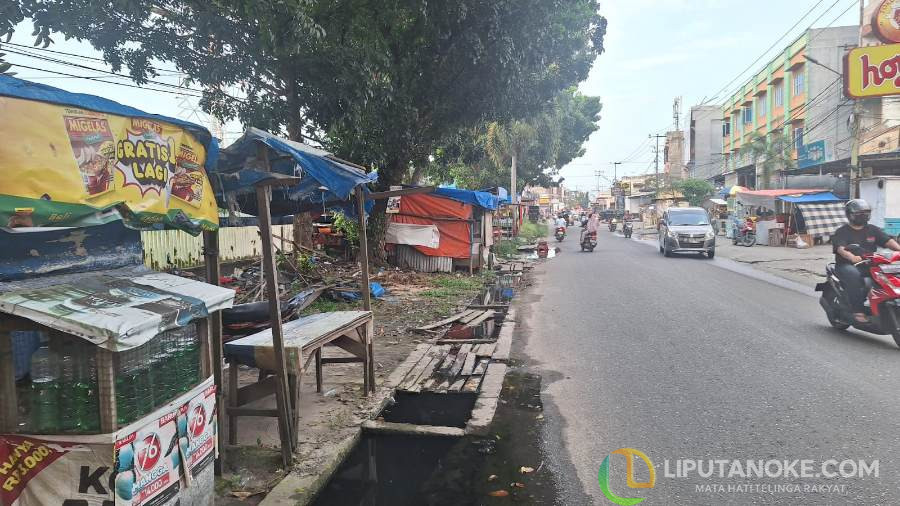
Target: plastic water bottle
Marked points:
190	358
44	390
125	407
78	401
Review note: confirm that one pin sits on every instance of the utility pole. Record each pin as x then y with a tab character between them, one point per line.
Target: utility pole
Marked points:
616	178
857	113
656	159
513	199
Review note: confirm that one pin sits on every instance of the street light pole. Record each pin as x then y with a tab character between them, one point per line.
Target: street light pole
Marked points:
656	159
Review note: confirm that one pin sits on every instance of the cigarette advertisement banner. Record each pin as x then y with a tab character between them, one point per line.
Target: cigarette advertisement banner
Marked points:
145	464
64	166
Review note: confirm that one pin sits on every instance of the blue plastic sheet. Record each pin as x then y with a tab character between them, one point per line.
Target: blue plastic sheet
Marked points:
375	289
323	180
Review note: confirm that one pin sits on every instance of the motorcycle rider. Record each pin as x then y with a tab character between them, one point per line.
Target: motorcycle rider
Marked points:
869	238
561	222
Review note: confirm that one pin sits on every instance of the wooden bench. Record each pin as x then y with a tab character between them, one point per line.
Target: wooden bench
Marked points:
304	339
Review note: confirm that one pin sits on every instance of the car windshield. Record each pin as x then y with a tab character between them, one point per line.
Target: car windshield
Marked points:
688	219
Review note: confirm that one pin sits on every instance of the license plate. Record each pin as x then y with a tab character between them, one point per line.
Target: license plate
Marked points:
891	269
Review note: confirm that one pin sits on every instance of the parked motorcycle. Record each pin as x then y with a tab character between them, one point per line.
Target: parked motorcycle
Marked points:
588	241
627	229
883	296
745	233
560	233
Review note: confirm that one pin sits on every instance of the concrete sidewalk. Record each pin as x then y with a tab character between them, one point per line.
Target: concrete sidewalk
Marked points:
804	266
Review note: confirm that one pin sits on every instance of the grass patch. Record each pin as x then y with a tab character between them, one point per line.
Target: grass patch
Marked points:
325	305
505	248
447	287
531	232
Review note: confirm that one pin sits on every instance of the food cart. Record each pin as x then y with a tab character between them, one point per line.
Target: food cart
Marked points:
106	393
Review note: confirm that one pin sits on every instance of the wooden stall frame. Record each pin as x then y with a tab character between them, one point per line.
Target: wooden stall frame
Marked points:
212	269
286	425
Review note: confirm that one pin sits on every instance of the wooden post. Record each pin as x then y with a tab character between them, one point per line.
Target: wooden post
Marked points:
211	262
369	370
363	249
282	389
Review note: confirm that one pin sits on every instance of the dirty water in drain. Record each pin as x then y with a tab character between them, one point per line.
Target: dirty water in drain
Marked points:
448	410
400	470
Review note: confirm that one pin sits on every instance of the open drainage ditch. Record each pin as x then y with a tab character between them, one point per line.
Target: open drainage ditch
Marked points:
399	470
447	410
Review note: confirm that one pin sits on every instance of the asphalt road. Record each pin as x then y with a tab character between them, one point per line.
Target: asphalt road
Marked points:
687	358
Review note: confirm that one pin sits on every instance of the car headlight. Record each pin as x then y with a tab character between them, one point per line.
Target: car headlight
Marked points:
671	234
710	235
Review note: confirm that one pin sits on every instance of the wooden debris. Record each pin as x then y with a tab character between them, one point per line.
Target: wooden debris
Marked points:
481	367
472	384
447	321
457	385
468	365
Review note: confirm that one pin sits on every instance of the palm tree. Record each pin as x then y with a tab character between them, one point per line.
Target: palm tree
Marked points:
509	142
773	151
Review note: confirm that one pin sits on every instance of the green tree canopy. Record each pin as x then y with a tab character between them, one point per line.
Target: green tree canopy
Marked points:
695	190
379	82
479	157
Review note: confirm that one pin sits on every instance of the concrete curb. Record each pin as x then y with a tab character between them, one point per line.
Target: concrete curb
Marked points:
504	340
412	429
300	490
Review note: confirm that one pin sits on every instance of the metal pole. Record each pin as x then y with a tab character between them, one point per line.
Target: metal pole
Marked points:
656	158
857	112
512	195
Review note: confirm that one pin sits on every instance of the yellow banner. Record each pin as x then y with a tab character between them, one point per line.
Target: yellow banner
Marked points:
63	166
872	71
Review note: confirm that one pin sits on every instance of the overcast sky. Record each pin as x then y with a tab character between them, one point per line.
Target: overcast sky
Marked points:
656	50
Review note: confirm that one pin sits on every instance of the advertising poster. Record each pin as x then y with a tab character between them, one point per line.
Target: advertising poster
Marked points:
76	167
35	472
197	428
393	203
147	463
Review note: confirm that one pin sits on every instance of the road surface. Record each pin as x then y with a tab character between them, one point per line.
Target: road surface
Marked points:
695	359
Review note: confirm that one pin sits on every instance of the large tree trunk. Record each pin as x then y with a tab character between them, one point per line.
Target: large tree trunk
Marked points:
378	219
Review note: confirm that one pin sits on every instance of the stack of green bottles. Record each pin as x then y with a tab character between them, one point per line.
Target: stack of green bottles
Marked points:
63	396
156	373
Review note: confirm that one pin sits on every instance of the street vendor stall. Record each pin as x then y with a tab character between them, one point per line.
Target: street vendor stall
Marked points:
461	221
776	219
106	393
263	174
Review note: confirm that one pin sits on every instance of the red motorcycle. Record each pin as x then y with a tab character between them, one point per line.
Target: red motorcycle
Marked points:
745	233
884	296
560	233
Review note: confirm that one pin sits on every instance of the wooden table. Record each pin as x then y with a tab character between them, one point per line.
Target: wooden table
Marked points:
304	339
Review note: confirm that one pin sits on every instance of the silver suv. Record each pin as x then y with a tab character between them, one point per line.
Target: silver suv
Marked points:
684	229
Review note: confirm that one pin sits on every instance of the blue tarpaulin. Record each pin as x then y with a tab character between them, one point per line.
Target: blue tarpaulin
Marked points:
18	88
810	198
323	180
481	199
